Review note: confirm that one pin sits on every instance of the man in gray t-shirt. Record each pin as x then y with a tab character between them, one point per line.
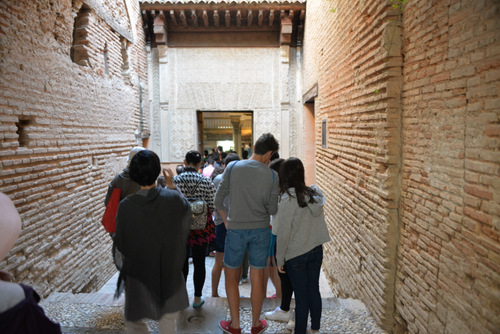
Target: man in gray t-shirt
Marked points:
253	190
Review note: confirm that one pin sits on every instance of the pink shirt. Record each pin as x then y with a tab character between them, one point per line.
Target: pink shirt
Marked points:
207	171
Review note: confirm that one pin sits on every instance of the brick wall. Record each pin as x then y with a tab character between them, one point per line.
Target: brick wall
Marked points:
65	131
411	165
448	261
358	169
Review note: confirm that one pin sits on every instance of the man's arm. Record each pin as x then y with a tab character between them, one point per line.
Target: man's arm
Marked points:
222	191
223	215
275	193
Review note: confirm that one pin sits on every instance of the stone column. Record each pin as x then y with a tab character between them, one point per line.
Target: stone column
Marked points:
284	70
155	138
236	123
284	101
163	82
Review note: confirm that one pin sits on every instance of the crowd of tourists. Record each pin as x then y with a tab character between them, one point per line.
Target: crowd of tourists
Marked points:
256	210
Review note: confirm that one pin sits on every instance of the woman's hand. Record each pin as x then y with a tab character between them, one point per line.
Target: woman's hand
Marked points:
168	175
282	270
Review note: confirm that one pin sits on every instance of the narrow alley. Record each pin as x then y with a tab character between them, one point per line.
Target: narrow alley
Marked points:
393	106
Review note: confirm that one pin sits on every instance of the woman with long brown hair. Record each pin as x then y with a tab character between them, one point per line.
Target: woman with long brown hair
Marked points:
301	231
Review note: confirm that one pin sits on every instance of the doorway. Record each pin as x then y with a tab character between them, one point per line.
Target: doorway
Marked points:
233	130
310	142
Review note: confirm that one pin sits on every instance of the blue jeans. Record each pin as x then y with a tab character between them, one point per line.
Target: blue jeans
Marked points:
304	271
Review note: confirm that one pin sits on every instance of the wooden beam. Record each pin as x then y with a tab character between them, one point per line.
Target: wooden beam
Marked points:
205	18
271	17
182	16
160	28
145	18
290	14
249	18
194	17
216	18
228	18
238	18
172	17
286	30
261	17
302	14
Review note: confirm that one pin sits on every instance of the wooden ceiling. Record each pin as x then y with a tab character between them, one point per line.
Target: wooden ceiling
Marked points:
222	23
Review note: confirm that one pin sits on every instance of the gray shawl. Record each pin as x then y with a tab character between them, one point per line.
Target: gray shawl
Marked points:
151	234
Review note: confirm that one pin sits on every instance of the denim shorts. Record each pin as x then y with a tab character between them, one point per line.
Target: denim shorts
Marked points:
220	237
257	242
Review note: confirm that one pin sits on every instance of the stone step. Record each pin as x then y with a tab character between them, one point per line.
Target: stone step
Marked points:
96	298
100	313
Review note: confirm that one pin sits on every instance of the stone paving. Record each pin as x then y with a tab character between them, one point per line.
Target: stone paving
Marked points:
100	313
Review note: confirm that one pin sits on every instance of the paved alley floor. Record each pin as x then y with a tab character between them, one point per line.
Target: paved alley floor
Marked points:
99	313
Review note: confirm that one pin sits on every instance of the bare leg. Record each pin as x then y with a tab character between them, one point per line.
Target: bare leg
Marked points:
257	294
233	294
273	273
216	272
265	280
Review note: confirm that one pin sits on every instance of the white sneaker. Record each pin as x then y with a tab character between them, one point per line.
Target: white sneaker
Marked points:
291	324
278	315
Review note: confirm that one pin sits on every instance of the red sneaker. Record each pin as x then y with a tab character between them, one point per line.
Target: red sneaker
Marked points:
261	328
225	325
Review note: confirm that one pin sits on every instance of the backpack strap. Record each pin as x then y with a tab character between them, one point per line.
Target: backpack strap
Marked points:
230	169
193	190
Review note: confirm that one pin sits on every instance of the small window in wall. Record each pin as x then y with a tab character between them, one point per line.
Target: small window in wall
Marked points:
22	131
80	49
323	133
125	58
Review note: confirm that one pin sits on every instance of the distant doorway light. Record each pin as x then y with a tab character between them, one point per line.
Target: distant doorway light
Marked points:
227	145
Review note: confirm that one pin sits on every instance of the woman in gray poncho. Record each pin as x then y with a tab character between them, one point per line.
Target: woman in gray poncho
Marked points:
151	232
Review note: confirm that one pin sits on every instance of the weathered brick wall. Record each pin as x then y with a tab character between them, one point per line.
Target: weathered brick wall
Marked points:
411	167
359	167
449	251
65	131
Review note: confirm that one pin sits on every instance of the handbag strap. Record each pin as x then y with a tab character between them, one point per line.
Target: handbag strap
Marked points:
230	169
193	190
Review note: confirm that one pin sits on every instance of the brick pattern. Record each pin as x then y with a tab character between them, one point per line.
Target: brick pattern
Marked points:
448	261
412	162
65	131
358	170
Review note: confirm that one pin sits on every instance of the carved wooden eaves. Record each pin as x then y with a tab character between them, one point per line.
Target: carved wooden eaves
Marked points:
285	18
